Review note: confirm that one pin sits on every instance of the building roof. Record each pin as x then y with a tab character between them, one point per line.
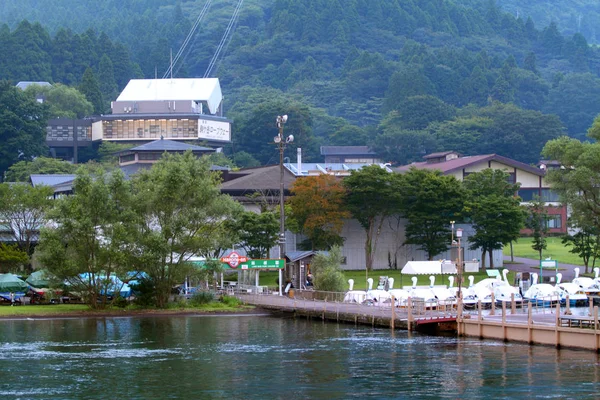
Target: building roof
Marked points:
258	178
439	154
24	84
329	168
51	179
346	151
456	164
194	89
168	145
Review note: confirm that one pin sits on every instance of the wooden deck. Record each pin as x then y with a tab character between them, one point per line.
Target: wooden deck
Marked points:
556	327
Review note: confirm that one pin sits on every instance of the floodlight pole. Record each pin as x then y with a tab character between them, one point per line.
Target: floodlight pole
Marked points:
459	233
281	142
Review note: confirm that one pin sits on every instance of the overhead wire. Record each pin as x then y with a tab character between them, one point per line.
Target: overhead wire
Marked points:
224	39
189	36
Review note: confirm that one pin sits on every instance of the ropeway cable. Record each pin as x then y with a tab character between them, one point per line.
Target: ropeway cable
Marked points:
188	38
224	39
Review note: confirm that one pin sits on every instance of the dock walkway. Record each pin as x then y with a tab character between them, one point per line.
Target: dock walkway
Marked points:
530	324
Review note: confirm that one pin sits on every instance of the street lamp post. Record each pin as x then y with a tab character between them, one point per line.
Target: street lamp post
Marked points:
281	142
459	233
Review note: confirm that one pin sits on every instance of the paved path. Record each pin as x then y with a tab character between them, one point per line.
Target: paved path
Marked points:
531	265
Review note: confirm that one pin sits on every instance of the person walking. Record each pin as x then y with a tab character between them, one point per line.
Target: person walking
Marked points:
12	299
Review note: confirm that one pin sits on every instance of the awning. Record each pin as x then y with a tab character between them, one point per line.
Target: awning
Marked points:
422	268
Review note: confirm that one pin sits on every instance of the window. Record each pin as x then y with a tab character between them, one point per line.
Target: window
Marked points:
528	194
127	158
548	195
554	221
149	156
512	178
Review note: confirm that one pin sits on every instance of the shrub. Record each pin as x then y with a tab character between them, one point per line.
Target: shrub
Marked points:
120	302
326	269
202	297
231	301
144	292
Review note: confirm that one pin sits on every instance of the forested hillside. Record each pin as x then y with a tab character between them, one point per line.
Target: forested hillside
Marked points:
572	16
406	77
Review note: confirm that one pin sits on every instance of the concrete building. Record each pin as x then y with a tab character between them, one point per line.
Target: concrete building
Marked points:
182	109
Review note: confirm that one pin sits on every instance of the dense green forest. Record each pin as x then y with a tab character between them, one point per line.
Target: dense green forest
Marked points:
572	16
406	77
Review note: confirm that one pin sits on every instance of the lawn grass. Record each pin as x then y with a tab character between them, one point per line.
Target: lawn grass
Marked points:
556	251
49	310
360	278
6	311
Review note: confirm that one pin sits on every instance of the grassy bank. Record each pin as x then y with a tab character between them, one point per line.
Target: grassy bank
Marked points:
80	310
556	251
360	278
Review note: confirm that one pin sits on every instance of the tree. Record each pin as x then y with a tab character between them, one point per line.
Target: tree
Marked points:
371	197
178	207
24	209
417	112
22	126
576	182
403	146
327	272
11	258
494	210
317	205
254	127
585	244
22	170
90	241
536	222
256	232
90	87
429	202
575	101
62	101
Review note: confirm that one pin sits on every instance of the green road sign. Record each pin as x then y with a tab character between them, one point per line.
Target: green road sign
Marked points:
249	264
263	264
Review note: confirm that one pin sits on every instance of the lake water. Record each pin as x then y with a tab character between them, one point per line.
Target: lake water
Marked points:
263	357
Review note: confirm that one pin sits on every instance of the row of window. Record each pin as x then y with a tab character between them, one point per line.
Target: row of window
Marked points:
150	129
546	195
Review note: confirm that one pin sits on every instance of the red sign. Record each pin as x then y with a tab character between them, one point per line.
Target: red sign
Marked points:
234	259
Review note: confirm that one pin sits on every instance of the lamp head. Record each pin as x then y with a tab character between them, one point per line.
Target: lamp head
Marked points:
289	139
277	139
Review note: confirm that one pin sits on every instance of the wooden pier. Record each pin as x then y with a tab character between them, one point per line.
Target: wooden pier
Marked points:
547	326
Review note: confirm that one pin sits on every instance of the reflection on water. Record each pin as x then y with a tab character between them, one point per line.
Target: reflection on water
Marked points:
257	357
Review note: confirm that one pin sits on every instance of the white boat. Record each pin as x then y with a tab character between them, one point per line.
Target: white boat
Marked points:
354	296
377	296
588	285
421	293
504	293
442	293
469	295
485	288
542	294
576	295
400	295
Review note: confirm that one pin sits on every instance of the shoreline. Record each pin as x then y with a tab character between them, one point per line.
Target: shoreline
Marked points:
255	311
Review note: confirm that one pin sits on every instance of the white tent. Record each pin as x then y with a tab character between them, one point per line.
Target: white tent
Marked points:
422	268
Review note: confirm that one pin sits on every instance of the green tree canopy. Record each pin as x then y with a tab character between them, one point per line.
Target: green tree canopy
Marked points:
429	201
91	238
179	211
257	233
494	210
22	126
22	170
62	101
372	196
